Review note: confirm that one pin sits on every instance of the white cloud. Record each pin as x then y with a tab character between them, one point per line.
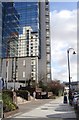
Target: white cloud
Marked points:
63	36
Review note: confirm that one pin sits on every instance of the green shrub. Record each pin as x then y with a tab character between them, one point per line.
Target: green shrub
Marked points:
8	104
9	93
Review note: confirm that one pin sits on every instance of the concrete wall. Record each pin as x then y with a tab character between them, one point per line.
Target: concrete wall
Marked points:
24	68
7	70
42	61
4	69
23	71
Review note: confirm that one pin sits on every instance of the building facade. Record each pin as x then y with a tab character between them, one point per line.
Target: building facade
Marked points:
32	56
34	36
10	27
44	64
74	85
28	43
0	38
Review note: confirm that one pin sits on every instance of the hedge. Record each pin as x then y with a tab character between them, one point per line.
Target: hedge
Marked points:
22	93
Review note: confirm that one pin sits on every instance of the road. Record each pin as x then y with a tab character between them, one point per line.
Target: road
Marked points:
45	110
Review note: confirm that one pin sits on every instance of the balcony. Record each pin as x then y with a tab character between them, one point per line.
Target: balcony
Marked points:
47	29
48	48
48	51
48	59
48	70
48	75
47	20
47	35
47	13
48	43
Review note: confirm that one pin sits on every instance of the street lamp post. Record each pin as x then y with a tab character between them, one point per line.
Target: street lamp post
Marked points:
69	71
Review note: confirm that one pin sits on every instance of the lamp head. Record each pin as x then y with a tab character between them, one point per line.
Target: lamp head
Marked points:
74	52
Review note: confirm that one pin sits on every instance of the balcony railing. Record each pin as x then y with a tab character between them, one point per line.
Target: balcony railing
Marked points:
47	13
48	70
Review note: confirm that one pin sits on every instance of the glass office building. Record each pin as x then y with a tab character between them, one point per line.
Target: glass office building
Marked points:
29	15
28	24
10	27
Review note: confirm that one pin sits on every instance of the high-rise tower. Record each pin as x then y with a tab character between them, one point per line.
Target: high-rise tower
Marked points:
36	17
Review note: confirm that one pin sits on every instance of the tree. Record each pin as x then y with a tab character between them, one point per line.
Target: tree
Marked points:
56	87
41	76
42	85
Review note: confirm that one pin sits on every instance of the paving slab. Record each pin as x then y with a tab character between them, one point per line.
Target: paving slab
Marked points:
37	119
53	110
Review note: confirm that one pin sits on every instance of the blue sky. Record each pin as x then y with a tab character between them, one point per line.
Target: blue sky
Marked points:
62	6
63	24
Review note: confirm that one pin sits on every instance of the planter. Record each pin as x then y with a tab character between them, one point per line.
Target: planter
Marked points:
7	114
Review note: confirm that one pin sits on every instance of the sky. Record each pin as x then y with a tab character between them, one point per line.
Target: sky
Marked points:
63	28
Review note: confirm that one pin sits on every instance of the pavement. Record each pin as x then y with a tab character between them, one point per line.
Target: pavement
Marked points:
45	110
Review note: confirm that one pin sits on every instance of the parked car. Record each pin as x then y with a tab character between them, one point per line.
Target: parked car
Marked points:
75	93
75	100
78	104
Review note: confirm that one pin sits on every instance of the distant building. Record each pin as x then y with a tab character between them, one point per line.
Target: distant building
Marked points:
28	43
74	85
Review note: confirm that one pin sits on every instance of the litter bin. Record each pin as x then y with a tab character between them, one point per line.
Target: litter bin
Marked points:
65	99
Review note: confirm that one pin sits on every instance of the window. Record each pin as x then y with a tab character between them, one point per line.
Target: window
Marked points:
32	74
24	62
23	74
33	62
27	45
31	37
48	76
47	3
48	65
27	35
31	47
27	49
31	51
